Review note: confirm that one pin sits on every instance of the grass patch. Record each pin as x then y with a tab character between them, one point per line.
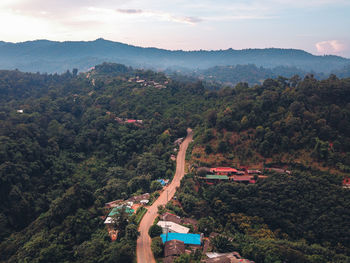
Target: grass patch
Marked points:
139	214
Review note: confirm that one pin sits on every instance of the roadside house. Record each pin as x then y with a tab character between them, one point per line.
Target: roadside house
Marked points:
171	227
223	170
188	239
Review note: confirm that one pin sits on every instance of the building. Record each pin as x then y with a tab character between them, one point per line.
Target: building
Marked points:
248	179
144	202
223	170
171	217
174	248
116	210
171	227
188	239
113	203
233	257
163	182
213	178
138	198
278	170
346	182
254	172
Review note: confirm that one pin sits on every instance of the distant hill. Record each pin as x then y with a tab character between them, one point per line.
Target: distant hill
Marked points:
50	56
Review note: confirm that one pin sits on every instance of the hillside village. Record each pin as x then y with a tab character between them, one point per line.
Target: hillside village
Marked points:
180	235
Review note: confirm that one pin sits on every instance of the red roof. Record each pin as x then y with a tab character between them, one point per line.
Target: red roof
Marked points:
224	169
131	121
242	178
346	181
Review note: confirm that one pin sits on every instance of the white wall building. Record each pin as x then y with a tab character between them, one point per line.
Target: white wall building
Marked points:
172	227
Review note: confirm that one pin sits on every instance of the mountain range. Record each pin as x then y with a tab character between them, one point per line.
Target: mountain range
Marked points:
51	57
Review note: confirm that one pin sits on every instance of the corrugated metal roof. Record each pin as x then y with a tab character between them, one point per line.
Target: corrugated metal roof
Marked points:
188	239
116	210
173	227
216	177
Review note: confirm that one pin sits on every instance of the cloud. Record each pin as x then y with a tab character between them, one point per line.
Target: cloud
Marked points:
330	47
130	11
161	15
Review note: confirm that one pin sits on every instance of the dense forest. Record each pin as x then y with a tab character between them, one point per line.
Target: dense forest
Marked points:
251	74
63	155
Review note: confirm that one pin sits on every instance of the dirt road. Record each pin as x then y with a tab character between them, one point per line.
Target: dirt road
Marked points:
143	249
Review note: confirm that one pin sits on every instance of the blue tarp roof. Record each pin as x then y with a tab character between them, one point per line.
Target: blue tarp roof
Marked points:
188	239
162	182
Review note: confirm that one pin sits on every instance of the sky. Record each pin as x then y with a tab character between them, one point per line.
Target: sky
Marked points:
317	26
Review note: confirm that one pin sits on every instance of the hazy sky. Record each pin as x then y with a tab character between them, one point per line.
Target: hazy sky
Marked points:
317	26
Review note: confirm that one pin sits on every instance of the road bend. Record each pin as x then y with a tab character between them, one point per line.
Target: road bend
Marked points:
143	249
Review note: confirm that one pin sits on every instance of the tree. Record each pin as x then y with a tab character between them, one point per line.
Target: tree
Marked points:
155	231
157	246
155	185
212	117
222	244
208	149
206	225
120	221
131	232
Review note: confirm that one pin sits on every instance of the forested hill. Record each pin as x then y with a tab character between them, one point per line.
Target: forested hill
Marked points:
70	143
50	56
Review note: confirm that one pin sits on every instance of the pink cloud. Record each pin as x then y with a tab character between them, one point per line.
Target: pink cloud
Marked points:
330	47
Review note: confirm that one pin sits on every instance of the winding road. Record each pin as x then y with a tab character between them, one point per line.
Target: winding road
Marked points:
143	249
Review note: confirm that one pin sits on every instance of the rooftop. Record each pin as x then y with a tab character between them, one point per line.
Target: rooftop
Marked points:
173	227
171	217
224	169
174	247
216	177
188	239
116	210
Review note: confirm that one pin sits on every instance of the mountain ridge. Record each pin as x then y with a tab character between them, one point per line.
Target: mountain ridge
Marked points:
55	56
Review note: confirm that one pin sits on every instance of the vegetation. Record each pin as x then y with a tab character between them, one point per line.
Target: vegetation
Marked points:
157	246
155	231
71	150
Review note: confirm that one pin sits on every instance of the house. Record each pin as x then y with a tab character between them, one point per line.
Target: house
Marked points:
171	227
144	202
346	183
253	171
138	198
278	170
188	239
171	217
212	178
116	210
163	182
130	121
113	203
233	257
20	111
249	179
223	170
216	177
174	248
